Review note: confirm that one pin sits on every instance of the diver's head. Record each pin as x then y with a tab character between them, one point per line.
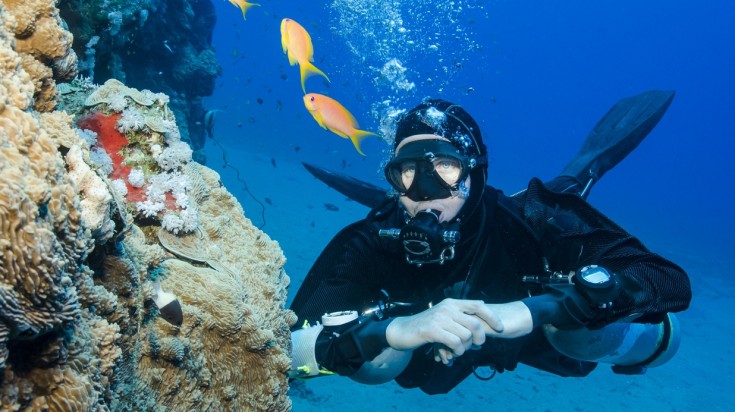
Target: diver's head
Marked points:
439	160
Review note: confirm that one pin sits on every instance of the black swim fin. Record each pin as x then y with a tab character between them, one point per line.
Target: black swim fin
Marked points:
362	192
620	131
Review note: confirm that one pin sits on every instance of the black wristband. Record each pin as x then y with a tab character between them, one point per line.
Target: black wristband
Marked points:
346	351
561	306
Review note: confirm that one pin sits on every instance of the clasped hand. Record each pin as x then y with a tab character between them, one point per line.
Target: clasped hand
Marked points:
455	326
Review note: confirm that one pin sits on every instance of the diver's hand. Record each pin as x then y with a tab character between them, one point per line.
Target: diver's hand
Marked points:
456	325
516	318
516	321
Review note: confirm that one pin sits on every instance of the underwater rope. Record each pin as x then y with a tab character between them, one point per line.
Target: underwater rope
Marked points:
240	179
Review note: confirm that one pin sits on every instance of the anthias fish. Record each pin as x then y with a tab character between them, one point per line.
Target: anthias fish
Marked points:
331	115
296	43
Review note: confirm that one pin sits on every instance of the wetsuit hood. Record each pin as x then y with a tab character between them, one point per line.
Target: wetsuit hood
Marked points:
452	122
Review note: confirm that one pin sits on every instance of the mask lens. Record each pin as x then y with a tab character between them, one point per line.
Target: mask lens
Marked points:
448	169
402	175
408	173
426	169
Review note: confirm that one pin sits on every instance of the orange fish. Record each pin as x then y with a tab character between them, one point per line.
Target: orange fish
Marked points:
296	43
243	5
330	114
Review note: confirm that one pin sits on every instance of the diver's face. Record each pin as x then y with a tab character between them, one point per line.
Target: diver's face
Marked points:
448	207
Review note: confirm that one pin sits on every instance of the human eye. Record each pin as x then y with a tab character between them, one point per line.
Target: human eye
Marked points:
446	164
408	168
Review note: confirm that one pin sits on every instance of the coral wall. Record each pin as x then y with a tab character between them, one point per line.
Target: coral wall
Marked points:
84	267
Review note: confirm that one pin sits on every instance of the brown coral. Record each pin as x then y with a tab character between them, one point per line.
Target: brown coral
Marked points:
77	326
235	339
222	334
114	87
41	240
44	45
48	358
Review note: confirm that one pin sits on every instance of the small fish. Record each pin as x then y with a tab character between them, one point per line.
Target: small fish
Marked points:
279	105
296	43
244	6
331	115
168	305
165	44
297	149
331	207
273	162
268	200
209	118
259	100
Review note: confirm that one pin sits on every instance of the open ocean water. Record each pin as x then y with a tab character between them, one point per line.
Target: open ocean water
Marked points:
537	76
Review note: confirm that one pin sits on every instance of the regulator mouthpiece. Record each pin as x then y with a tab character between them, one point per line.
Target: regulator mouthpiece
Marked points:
425	240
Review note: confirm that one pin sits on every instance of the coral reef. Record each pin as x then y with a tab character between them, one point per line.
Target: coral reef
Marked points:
227	323
44	46
141	151
44	244
177	57
98	206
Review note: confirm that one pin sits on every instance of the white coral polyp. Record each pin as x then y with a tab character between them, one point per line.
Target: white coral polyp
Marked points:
101	161
172	222
120	187
161	98
169	125
136	178
131	120
156	193
173	135
184	221
148	208
118	103
169	182
174	156
182	199
190	216
89	136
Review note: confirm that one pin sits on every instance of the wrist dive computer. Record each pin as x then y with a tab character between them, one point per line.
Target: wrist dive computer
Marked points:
597	285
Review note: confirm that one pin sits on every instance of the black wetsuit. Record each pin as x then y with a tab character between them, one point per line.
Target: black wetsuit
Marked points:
503	240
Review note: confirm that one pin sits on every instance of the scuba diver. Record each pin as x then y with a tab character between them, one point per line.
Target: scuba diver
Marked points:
448	277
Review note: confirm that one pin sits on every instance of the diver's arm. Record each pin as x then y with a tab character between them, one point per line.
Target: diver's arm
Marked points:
344	278
575	235
648	288
375	351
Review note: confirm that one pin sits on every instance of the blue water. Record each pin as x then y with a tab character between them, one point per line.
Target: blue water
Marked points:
537	76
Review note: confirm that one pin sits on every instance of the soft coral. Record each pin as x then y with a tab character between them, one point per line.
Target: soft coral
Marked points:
113	142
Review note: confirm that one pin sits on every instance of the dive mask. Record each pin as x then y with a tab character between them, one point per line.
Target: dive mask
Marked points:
429	169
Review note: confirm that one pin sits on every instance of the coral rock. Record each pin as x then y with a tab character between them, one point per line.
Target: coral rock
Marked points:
41	39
